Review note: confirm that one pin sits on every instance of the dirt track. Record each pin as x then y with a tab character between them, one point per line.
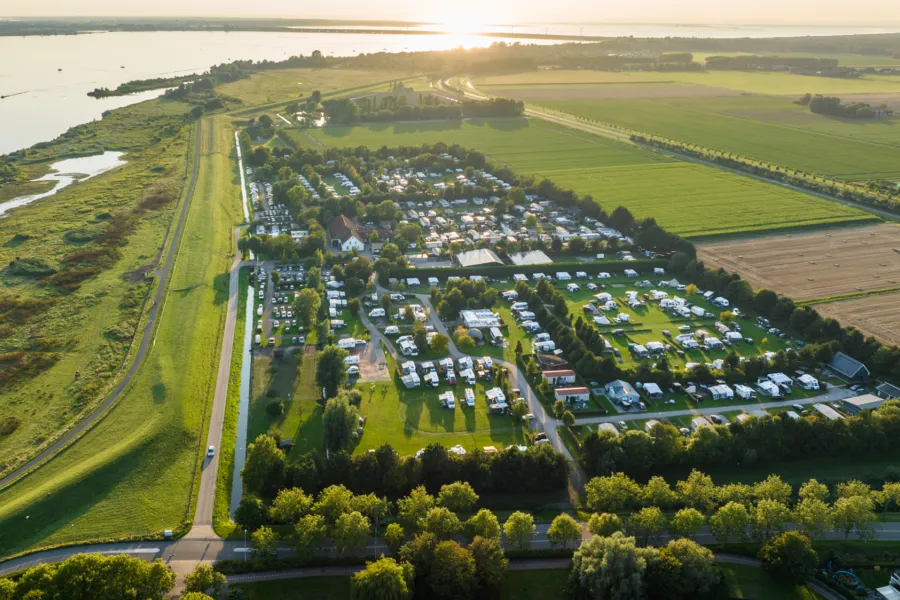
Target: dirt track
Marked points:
814	265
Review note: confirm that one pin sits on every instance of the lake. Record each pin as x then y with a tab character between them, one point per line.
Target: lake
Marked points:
65	173
46	78
54	99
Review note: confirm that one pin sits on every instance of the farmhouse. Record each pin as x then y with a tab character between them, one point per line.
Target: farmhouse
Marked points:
847	368
865	402
343	234
575	394
560	377
475	258
621	392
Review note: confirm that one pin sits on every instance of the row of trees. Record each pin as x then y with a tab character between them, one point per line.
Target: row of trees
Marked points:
386	473
734	510
771	439
832	106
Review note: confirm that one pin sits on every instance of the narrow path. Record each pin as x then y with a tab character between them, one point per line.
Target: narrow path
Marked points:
145	341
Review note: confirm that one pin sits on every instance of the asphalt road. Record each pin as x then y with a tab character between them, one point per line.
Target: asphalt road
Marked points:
146	336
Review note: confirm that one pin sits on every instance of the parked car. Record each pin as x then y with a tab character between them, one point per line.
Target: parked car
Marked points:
354	370
623	425
211	451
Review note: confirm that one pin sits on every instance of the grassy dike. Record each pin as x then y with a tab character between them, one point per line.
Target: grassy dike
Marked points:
222	522
135	473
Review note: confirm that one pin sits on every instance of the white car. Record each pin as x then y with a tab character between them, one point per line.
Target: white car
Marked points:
353	370
211	451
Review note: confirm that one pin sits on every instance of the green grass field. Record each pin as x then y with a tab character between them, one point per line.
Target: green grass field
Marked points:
781	84
135	472
765	128
844	60
689	199
93	326
754	583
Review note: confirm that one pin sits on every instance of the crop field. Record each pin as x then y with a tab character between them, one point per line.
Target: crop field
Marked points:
689	199
781	84
877	315
646	90
135	472
697	201
561	77
290	84
772	129
90	328
844	60
814	265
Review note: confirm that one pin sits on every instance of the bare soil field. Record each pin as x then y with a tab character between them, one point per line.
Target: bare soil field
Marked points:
610	92
878	316
892	100
814	265
562	77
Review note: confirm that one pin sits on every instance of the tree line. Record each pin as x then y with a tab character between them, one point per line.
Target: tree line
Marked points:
833	106
386	473
768	440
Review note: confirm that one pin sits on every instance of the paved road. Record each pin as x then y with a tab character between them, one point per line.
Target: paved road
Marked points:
207	494
832	395
173	239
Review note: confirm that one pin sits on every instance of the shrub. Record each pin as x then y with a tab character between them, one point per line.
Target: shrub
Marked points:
31	267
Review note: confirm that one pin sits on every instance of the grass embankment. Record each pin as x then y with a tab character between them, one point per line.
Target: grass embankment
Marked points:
114	224
135	472
689	199
221	513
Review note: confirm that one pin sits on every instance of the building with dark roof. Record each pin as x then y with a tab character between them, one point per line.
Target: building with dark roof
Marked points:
888	391
343	234
847	368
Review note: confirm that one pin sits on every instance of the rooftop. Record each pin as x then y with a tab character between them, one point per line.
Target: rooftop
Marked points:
474	258
535	257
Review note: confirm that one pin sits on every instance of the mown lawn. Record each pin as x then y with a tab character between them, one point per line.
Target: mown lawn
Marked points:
409	420
135	473
754	583
690	199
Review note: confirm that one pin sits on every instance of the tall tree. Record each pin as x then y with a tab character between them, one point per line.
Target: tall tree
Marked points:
452	574
414	507
563	530
383	579
308	533
263	471
330	369
290	505
442	522
306	306
729	521
646	524
519	529
604	524
854	514
205	580
394	537
458	496
768	518
813	516
351	531
483	524
611	568
490	565
264	542
687	522
789	557
339	421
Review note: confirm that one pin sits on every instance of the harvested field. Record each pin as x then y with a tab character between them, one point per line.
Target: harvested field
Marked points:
815	265
877	316
891	100
562	77
609	91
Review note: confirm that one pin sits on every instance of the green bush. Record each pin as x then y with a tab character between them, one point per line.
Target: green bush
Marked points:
31	267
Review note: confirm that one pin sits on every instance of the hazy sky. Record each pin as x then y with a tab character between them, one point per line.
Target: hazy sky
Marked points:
810	12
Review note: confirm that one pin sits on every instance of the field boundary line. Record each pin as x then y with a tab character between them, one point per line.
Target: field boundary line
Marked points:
849	296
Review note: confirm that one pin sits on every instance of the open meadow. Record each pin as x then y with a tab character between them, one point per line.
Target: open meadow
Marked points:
690	199
135	472
767	128
70	308
814	265
290	84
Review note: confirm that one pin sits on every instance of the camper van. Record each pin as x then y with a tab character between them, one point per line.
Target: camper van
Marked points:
351	360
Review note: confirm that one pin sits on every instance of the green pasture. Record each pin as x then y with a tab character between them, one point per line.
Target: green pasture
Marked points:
689	199
765	128
136	472
844	60
91	328
781	84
